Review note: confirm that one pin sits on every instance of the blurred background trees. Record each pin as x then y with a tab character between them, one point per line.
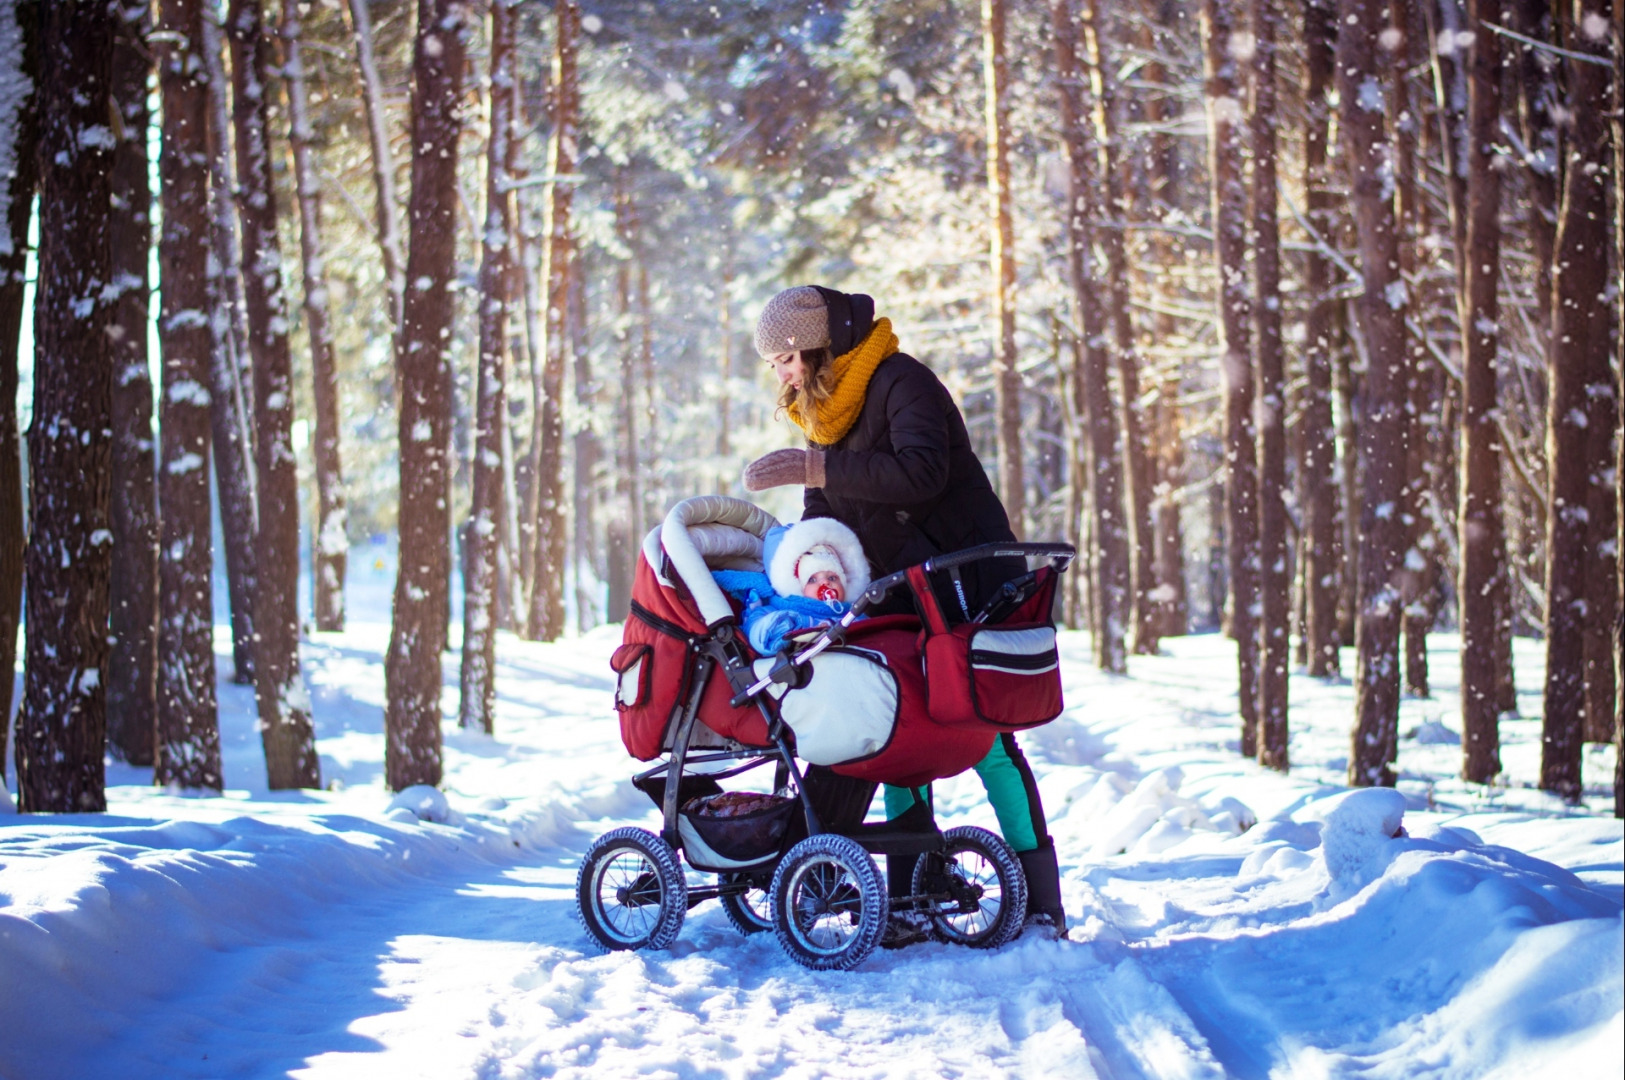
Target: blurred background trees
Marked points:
1299	348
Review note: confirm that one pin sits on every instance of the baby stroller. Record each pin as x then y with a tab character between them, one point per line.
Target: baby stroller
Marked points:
896	699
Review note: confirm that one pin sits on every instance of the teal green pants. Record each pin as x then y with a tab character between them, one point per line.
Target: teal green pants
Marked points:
1010	788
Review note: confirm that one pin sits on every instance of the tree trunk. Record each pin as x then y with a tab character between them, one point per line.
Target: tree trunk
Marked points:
478	685
417	637
1383	428
1419	556
231	395
329	547
1173	603
1002	263
132	685
1225	111
61	729
19	70
1483	592
627	530
1135	454
585	451
188	752
1274	583
1102	460
279	686
1538	103
1317	471
383	160
551	543
1619	405
1580	381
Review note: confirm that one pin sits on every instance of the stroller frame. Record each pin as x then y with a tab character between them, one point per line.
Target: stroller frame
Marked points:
914	834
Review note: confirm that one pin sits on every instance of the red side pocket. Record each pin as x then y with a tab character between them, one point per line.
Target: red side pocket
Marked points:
632	663
1004	677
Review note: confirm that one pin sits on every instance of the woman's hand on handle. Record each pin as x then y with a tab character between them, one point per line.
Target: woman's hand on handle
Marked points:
781	467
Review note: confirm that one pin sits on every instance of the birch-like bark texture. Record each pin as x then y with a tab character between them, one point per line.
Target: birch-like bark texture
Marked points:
1274	583
1094	411
1483	589
550	546
19	129
61	728
477	677
1317	497
383	160
1135	466
330	546
1579	394
231	396
1382	433
188	753
279	685
132	685
1002	266
418	634
1224	114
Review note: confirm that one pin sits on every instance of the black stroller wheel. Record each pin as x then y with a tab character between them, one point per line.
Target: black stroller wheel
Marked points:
980	890
631	893
828	903
749	911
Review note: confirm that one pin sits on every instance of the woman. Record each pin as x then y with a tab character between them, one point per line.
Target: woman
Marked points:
888	455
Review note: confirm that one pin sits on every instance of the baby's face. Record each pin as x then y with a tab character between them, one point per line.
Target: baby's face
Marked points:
824	585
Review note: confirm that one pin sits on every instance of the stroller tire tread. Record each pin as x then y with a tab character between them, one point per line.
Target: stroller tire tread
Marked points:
652	868
1006	922
827	886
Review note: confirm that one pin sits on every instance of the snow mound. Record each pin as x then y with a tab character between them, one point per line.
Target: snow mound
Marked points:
1153	816
1356	841
422	802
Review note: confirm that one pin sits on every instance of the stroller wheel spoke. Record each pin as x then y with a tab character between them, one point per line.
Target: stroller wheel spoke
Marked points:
979	891
828	902
630	893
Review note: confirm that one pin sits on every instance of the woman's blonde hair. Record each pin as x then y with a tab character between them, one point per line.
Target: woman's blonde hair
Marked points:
816	386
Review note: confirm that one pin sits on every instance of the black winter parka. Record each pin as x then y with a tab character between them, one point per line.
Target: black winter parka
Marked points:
905	477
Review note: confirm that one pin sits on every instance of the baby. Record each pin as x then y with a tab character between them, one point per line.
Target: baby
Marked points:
812	566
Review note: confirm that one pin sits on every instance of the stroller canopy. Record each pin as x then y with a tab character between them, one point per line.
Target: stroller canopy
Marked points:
705	533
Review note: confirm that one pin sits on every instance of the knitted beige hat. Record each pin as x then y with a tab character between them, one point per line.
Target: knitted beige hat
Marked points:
794	320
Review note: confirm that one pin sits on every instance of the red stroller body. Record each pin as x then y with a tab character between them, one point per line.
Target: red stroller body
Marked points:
893	699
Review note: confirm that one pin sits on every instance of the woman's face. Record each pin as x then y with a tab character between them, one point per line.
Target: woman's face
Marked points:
790	369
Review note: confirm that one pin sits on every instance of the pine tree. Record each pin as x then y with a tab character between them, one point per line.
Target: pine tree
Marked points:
279	685
329	545
478	684
1096	454
61	728
188	751
231	413
1224	109
1135	454
1317	487
546	588
1580	393
1484	584
19	68
1002	262
417	637
383	159
132	685
1274	583
1382	434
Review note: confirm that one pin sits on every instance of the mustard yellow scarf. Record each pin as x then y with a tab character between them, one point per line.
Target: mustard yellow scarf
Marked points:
836	414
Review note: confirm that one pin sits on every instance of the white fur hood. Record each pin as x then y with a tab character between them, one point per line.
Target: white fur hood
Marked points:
802	537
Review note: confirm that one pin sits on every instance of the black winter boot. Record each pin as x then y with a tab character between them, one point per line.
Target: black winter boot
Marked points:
1044	888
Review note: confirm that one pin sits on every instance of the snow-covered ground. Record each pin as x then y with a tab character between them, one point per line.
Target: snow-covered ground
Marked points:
331	934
